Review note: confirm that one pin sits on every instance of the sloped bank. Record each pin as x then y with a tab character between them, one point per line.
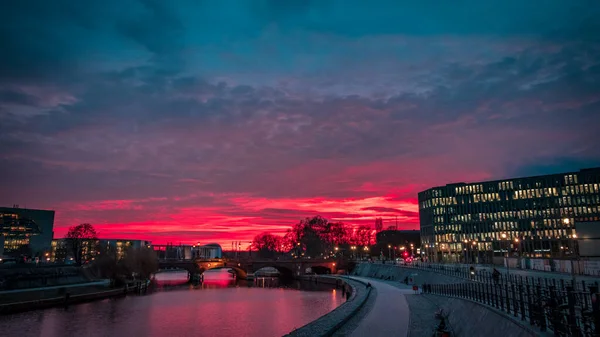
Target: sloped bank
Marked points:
392	272
328	324
465	318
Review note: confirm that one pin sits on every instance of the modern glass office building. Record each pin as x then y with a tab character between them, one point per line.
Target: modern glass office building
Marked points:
531	216
26	232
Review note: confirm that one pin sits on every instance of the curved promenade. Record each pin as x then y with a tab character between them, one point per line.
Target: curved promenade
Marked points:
389	315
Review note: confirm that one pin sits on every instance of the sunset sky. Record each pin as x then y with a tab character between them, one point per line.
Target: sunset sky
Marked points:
212	121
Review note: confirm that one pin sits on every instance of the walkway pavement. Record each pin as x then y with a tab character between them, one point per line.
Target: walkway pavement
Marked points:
389	315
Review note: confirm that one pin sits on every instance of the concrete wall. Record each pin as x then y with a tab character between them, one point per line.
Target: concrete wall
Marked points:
328	324
399	273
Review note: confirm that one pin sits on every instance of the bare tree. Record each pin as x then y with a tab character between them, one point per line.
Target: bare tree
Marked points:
81	241
139	262
267	244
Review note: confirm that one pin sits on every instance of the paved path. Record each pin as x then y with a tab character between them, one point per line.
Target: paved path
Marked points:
389	316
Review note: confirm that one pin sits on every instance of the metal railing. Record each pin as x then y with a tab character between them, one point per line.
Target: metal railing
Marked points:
559	308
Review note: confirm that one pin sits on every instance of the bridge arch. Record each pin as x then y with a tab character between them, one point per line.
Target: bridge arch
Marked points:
284	272
190	267
240	273
320	270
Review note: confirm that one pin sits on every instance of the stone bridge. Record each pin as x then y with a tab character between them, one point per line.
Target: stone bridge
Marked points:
289	268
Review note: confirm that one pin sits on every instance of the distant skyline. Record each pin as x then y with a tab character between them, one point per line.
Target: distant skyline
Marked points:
193	121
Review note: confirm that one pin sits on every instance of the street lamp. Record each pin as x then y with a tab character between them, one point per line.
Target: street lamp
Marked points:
517	241
389	252
575	256
504	236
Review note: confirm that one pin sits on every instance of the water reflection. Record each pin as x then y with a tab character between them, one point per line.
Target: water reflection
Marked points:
220	306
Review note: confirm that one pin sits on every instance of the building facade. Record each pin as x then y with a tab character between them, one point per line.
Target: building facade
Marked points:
62	251
531	216
26	232
394	242
188	252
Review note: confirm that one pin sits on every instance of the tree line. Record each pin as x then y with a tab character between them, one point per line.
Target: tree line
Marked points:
313	237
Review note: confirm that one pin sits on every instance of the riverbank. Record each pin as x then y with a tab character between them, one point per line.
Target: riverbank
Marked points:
41	298
328	324
29	276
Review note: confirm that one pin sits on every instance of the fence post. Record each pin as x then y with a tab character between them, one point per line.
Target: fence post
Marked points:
514	300
571	318
538	306
521	302
507	298
595	309
529	304
501	297
495	295
489	294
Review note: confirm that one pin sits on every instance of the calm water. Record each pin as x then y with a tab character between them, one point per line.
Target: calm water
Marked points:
219	307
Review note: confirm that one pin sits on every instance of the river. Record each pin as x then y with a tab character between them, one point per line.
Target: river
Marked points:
220	306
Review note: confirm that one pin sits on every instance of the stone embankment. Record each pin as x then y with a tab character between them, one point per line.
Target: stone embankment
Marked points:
328	324
391	272
41	298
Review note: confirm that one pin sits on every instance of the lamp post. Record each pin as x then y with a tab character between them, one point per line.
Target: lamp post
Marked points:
575	257
503	235
442	246
389	252
566	222
519	253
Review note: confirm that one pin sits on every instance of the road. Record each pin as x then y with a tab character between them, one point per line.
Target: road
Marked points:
542	274
390	314
515	271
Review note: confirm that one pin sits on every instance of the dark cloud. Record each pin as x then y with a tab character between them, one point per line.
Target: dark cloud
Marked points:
391	210
192	112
